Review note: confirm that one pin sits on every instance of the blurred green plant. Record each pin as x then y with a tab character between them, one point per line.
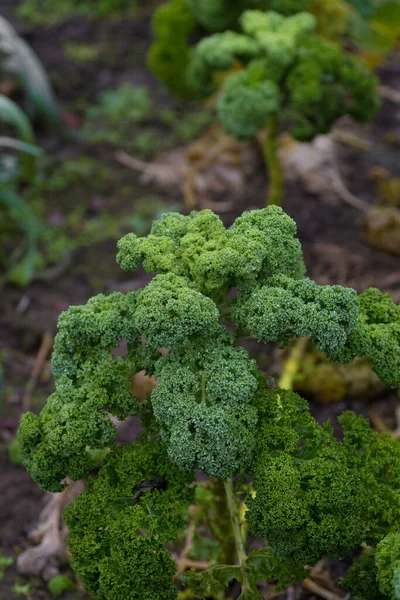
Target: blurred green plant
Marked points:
19	264
126	117
60	584
375	28
279	69
175	23
51	12
14	452
19	60
81	53
5	562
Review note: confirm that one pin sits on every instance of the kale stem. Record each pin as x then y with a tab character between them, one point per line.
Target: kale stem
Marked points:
240	549
273	162
292	364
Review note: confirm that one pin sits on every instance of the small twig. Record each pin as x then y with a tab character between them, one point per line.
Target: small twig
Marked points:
350	139
378	423
182	560
315	588
390	94
45	347
346	195
341	189
186	563
189	540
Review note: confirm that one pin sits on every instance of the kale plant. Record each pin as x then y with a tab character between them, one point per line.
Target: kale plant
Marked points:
177	21
213	410
276	70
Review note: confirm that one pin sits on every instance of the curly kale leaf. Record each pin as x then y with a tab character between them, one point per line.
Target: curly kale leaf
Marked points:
286	308
325	83
252	95
120	525
90	383
170	312
378	335
387	559
376	457
361	579
260	244
286	69
306	500
202	404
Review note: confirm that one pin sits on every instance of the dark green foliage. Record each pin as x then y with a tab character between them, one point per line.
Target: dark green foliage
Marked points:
378	335
288	70
216	15
169	56
377	459
119	526
361	579
203	405
212	410
89	382
286	308
307	499
387	559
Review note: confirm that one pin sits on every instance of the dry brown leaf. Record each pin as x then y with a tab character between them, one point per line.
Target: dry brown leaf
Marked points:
381	228
315	165
49	538
142	385
331	382
215	164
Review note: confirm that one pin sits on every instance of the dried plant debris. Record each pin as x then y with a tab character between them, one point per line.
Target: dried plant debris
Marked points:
381	228
331	382
215	164
315	164
48	540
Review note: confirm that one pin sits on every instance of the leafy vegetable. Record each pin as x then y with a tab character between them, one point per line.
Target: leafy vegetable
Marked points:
212	409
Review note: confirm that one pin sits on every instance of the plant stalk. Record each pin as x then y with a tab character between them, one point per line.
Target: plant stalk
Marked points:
292	364
239	543
273	163
222	529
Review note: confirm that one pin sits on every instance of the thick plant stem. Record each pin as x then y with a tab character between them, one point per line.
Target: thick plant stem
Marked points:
292	364
273	162
240	549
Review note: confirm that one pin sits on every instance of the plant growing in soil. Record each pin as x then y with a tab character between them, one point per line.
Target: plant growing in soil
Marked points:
277	70
272	470
177	21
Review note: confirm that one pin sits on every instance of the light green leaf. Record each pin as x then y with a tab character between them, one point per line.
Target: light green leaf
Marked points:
226	573
14	144
21	263
11	114
21	61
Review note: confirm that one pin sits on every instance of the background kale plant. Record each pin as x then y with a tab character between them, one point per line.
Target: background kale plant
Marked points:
306	494
275	70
